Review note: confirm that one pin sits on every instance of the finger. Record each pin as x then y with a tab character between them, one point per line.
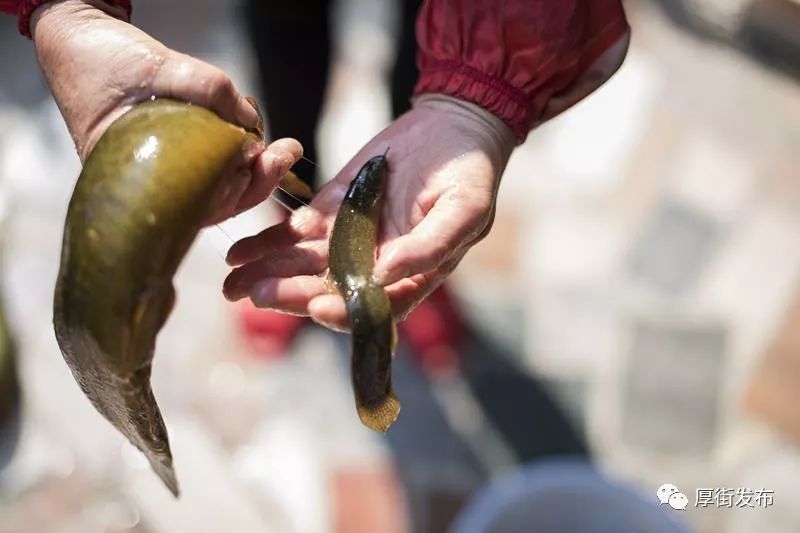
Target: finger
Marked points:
304	224
221	96
306	258
269	168
189	79
233	190
290	146
254	247
454	220
329	309
407	293
288	295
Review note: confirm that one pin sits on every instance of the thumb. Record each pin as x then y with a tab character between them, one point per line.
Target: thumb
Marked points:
455	220
186	78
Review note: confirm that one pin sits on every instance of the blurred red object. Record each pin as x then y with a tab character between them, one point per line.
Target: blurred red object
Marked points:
434	331
268	332
368	500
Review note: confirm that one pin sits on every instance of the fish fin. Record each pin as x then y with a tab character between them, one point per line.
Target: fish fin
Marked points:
296	187
382	414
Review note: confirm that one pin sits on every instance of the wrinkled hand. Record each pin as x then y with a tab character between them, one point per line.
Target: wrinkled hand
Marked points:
98	66
446	158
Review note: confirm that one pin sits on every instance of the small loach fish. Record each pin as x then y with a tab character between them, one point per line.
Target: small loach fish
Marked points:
351	260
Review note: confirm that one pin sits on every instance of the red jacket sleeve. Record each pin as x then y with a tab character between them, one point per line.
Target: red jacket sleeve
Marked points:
523	60
23	9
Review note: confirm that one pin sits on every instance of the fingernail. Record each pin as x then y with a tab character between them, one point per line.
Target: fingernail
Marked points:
333	327
300	220
378	276
263	294
231	288
249	114
230	258
386	277
283	161
252	149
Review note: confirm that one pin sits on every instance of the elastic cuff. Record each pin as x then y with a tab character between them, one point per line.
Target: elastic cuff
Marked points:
505	138
28	6
511	104
493	94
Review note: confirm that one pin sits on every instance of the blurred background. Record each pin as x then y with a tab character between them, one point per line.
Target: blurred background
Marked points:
637	303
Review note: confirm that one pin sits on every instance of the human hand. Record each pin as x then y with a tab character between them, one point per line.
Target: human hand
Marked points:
446	158
98	67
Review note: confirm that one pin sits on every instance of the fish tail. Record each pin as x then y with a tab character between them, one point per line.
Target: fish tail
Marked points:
380	415
374	338
162	466
151	438
146	429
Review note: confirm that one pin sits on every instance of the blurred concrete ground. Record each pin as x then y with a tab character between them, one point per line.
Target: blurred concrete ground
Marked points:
644	255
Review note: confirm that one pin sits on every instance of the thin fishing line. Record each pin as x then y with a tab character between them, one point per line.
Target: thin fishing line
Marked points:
295	198
284	204
216	244
310	161
225	233
224	259
292	196
274	197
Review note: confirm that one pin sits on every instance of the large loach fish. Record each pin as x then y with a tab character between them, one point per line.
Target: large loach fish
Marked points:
145	191
352	248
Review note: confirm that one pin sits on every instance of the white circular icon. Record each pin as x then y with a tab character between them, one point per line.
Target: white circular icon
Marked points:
665	491
678	501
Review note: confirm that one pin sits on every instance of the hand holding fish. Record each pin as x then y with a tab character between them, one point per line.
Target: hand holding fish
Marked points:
98	66
445	161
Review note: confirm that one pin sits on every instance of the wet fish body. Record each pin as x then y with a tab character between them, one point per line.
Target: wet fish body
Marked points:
352	259
144	193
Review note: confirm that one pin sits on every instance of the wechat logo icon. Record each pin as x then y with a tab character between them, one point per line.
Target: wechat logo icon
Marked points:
670	495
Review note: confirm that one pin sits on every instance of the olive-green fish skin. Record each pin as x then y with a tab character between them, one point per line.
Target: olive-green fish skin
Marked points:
351	260
9	392
144	193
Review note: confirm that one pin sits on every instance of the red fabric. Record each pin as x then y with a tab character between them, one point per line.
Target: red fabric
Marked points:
23	9
435	331
512	57
268	332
